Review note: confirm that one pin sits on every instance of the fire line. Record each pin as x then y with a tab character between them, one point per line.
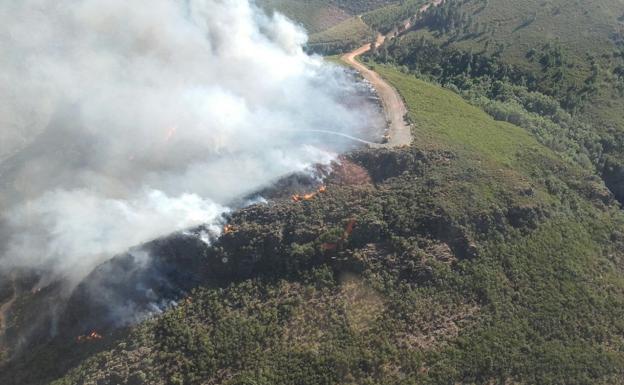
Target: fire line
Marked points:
310	196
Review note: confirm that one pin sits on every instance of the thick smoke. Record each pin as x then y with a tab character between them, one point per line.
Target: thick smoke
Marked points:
126	120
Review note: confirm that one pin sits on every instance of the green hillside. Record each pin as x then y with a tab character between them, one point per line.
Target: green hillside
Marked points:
490	251
586	34
581	27
344	36
361	6
385	18
314	15
555	68
319	15
477	255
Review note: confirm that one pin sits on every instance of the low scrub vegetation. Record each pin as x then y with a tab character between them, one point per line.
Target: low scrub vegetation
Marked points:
554	114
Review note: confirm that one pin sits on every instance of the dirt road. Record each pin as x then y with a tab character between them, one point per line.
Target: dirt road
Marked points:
399	132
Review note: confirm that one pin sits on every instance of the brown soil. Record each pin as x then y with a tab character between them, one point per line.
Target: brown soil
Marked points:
348	173
399	132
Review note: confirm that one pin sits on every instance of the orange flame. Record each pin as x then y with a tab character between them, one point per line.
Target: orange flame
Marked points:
310	196
228	229
93	336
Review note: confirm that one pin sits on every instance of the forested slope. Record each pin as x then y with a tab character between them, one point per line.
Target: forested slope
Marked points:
488	251
476	255
555	68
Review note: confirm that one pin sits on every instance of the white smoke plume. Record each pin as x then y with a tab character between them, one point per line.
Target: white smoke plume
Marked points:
122	121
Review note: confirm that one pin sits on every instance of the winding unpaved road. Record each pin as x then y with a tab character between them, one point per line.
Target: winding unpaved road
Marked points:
399	132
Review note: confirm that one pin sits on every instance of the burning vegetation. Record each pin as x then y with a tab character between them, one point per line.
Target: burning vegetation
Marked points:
228	229
310	196
93	336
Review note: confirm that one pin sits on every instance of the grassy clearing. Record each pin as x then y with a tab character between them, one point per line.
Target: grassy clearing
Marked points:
319	15
360	6
336	60
352	30
506	156
442	115
314	15
383	19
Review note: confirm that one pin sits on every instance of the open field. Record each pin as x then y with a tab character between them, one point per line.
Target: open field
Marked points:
352	30
314	15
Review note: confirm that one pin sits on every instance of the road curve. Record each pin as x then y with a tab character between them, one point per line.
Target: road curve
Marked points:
399	132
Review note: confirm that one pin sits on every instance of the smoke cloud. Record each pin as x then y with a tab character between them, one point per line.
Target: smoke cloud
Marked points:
123	121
